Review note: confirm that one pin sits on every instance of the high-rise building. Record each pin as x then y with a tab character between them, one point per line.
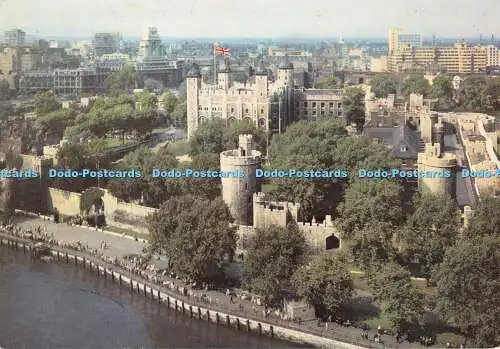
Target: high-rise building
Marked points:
398	39
105	43
15	37
458	59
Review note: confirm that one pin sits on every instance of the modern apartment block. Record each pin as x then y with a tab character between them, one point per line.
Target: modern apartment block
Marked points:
461	58
15	37
398	39
105	43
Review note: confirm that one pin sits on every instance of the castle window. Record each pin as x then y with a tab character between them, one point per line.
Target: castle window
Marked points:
322	105
305	104
262	111
246	111
322	112
246	186
232	110
314	104
314	112
331	105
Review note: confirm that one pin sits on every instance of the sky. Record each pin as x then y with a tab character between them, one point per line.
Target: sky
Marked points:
253	18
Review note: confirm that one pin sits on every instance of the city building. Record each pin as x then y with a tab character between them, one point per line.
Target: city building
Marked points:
15	37
271	106
153	64
64	81
461	58
105	43
398	39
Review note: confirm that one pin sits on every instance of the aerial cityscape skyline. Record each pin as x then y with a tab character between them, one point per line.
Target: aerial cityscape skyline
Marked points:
257	19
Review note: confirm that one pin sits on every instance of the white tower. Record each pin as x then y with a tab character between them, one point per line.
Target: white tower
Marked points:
193	85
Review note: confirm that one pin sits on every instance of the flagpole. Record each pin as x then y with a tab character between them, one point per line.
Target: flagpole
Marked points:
215	66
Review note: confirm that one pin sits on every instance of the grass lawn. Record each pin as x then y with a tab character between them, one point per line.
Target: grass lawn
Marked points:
116	142
126	232
179	148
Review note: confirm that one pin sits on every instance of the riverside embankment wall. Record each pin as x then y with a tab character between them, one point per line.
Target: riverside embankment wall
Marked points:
133	282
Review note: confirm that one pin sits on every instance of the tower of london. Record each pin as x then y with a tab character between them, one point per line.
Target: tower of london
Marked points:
269	105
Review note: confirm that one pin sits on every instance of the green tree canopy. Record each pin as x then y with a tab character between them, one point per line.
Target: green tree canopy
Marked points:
170	101
383	85
473	92
326	284
372	245
215	136
369	201
400	301
468	290
486	219
195	236
46	102
442	89
416	83
208	188
326	83
56	122
179	114
273	255
126	78
430	230
353	105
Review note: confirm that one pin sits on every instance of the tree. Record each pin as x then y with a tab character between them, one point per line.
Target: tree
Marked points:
56	122
383	85
170	101
372	245
442	89
400	301
273	255
468	289
13	160
416	83
195	236
323	144
473	92
353	106
152	85
216	136
208	188
179	115
430	230
45	102
369	201
486	219
125	79
326	83
492	92
326	284
132	189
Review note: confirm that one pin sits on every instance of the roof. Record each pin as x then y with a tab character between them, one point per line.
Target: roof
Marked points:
194	71
404	141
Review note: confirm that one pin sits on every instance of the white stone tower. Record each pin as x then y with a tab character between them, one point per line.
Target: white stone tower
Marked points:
224	76
435	161
262	90
286	86
193	86
237	192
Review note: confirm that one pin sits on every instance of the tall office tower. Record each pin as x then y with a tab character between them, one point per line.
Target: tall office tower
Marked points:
15	37
105	43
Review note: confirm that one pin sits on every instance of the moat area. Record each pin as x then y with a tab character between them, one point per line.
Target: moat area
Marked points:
50	305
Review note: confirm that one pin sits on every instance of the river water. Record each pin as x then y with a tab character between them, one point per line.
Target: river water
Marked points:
51	305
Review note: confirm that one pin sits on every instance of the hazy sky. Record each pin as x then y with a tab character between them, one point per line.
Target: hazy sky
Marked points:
219	18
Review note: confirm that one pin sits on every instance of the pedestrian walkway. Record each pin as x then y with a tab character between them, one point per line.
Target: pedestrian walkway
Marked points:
120	247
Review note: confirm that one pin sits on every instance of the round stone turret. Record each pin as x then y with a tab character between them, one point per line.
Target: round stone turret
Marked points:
440	168
261	69
194	72
237	191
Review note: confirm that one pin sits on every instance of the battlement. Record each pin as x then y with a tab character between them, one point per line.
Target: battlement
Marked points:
432	156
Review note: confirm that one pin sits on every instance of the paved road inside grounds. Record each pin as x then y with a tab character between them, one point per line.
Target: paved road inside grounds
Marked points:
117	245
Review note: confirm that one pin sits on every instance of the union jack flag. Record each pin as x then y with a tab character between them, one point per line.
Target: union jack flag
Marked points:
223	51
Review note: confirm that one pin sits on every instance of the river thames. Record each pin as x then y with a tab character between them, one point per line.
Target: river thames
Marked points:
51	305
